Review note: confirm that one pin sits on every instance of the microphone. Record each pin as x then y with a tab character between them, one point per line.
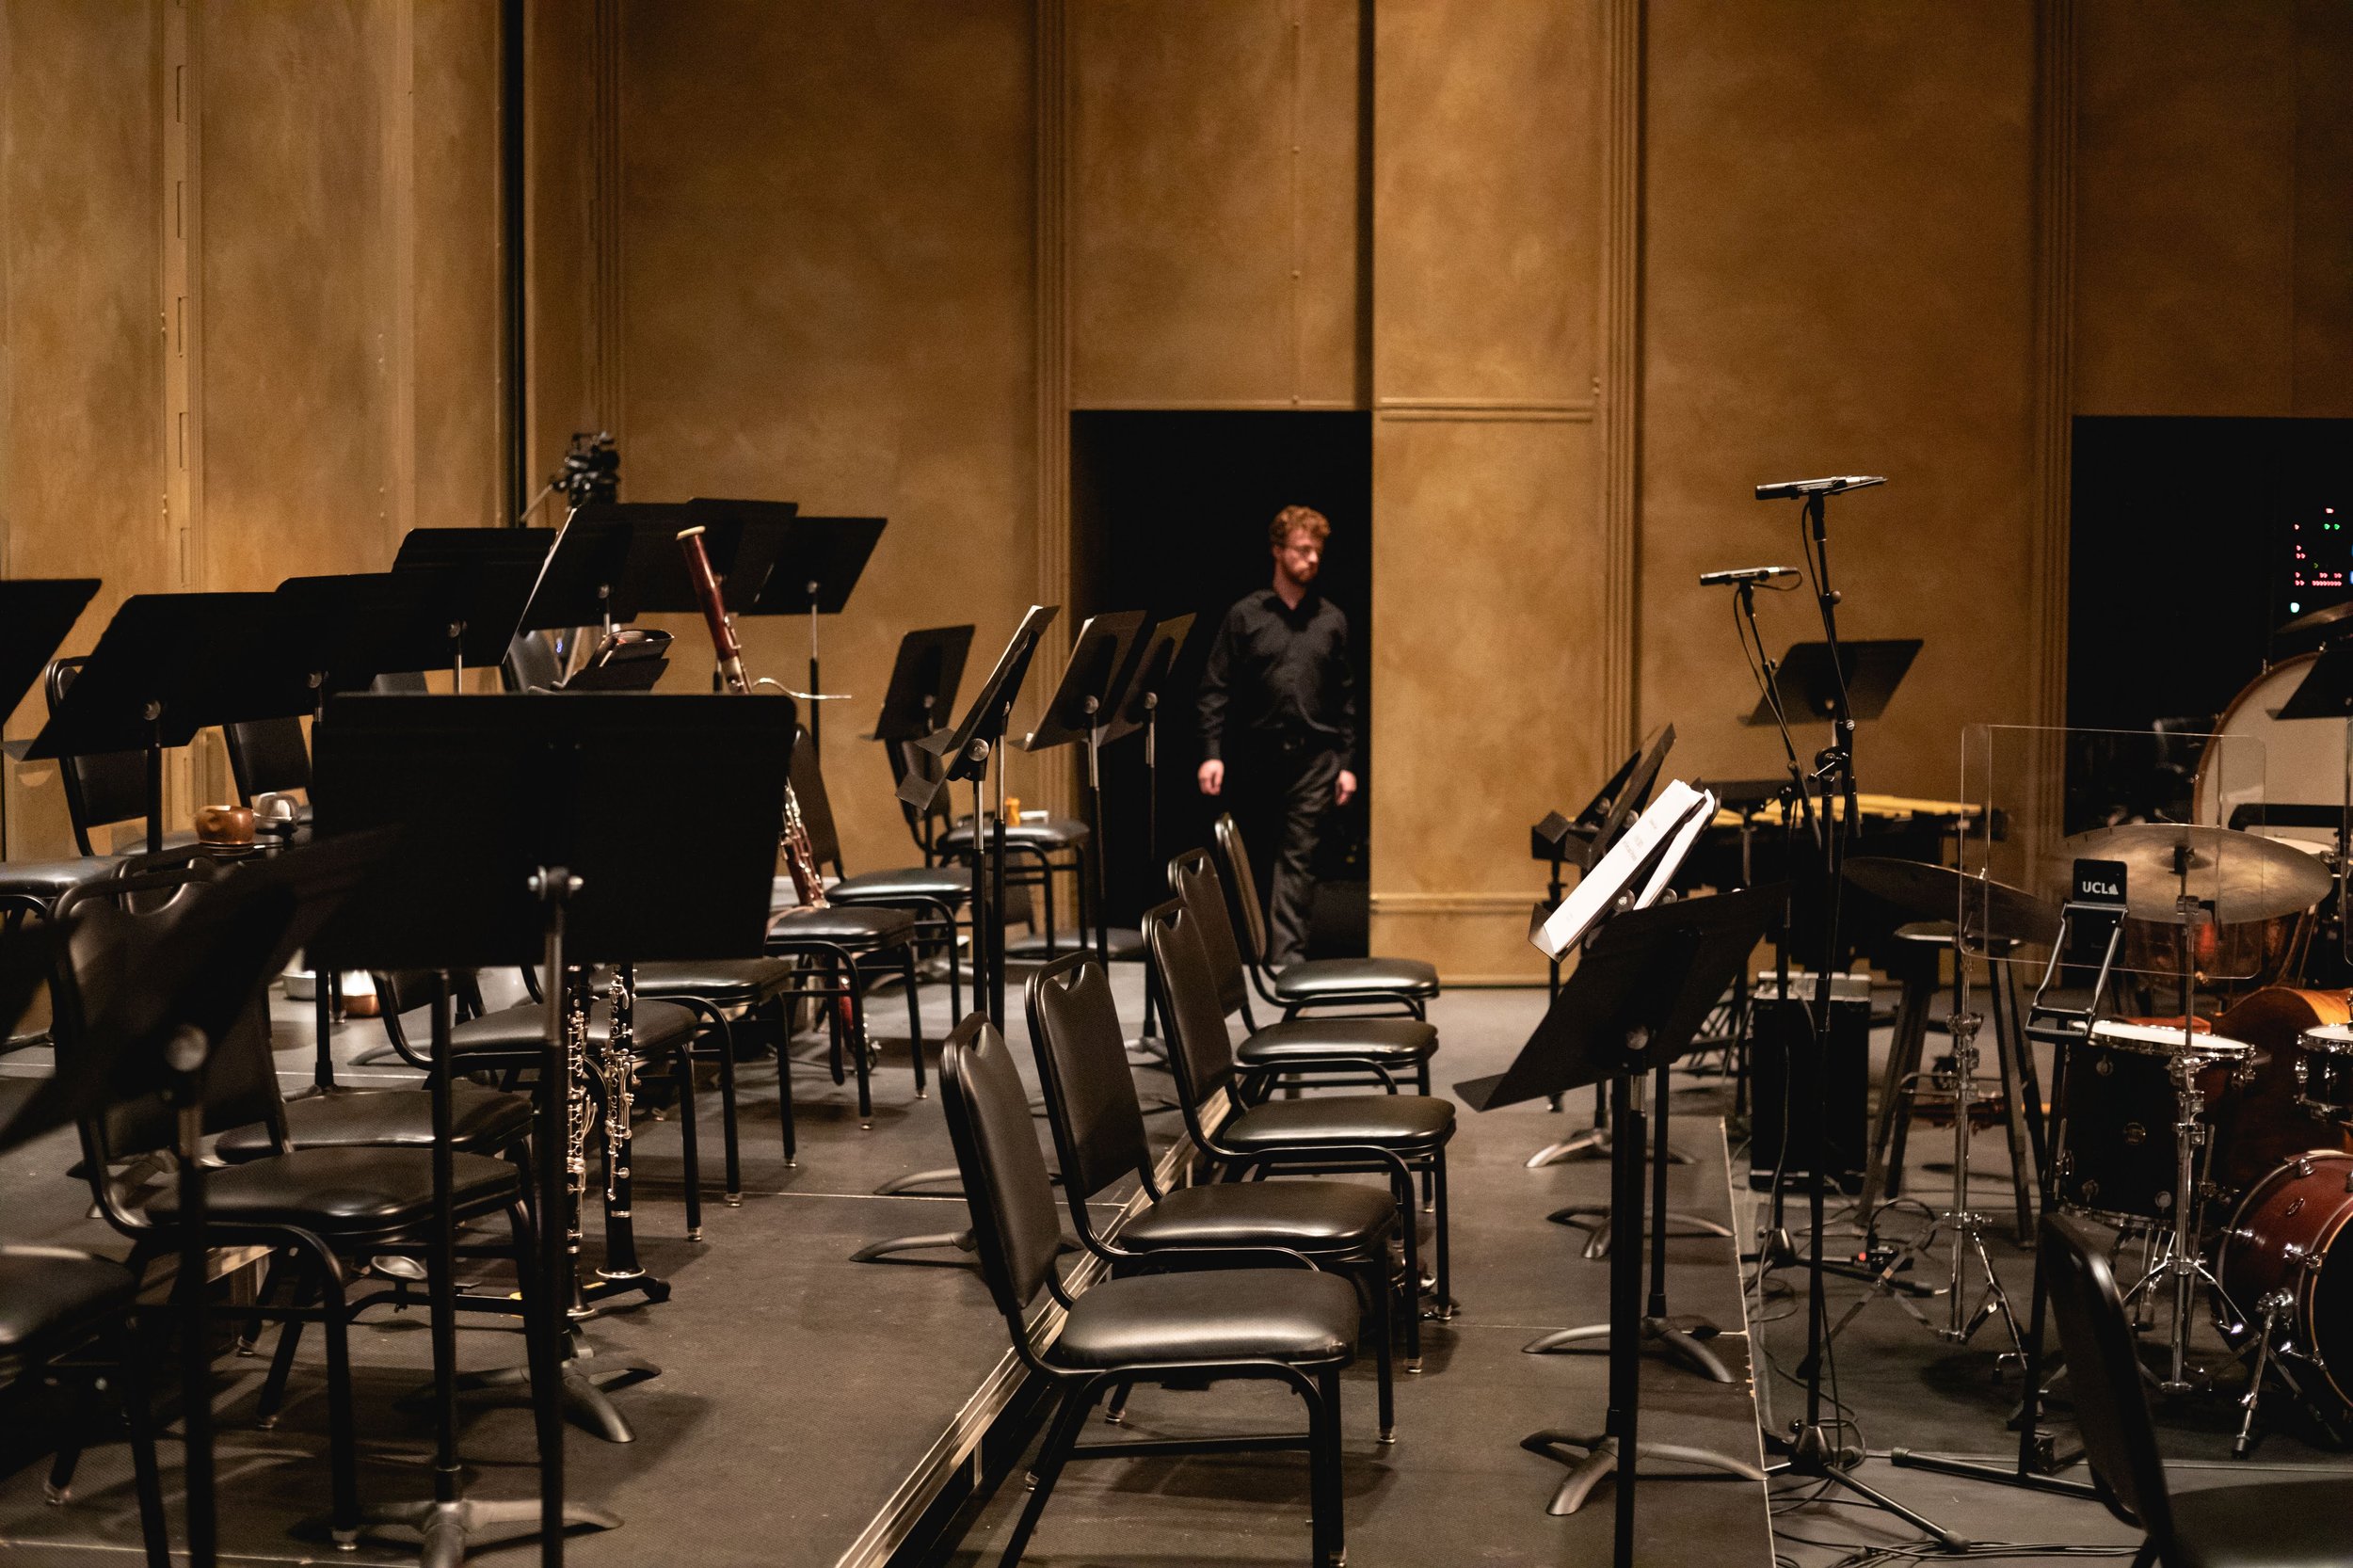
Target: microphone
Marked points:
1746	574
1789	490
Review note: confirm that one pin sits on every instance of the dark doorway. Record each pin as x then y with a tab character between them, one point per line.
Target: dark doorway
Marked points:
2193	542
1170	512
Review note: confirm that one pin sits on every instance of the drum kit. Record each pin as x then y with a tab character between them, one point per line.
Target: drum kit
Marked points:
2224	1149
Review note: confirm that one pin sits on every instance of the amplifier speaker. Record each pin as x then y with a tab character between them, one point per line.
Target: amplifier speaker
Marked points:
1784	1110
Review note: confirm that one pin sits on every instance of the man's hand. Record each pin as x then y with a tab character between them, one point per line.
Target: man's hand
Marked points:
1344	790
1212	777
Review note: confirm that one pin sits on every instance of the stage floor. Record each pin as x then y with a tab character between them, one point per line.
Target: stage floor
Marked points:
799	1391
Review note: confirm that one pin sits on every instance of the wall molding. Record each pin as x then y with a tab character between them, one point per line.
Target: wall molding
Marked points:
1212	404
1623	39
2054	389
1456	904
1056	777
1498	411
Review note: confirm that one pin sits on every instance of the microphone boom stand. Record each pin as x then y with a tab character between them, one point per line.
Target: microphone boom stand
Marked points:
1808	1450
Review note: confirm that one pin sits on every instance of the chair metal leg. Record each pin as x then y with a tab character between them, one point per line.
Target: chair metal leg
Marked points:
273	1393
780	1017
731	1152
915	1019
1384	1329
343	1432
1051	1456
684	1068
845	974
1331	1543
1446	1274
138	1415
1409	1226
279	1276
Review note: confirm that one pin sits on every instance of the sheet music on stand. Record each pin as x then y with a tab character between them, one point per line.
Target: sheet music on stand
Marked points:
1657	843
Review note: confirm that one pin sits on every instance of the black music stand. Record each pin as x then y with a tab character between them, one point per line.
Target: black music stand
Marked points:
817	566
1562	843
1646	982
200	973
963	753
759	531
925	675
477	580
583	580
166	666
557	860
1807	679
1080	710
1138	708
36	614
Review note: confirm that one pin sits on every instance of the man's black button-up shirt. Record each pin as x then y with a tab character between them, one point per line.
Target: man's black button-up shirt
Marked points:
1276	673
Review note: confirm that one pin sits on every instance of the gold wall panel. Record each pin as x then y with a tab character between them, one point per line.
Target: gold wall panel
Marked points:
827	298
1490	607
459	352
1840	251
2188	216
1213	223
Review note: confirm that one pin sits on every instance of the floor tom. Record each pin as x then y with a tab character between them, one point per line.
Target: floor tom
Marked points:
2323	1071
2287	1241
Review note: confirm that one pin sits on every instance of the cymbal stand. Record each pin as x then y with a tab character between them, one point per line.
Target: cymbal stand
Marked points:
1968	1226
2182	1260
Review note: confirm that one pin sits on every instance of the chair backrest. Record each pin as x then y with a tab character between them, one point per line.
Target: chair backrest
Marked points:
2103	1374
1193	877
1202	1056
1235	855
267	755
1015	1228
808	789
103	787
1090	1093
104	953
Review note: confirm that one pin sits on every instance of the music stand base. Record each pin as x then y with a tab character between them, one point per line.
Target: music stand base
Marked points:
448	1530
949	1177
1660	1337
874	1252
1601	1461
589	1382
1597	1221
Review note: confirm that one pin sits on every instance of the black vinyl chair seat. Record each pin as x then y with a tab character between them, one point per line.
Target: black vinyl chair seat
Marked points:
48	1291
948	884
47	880
1054	833
482	1120
1325	979
348	1188
1393	1121
2300	1524
1225	1315
722	981
843	926
655	1025
1401	1042
1303	1216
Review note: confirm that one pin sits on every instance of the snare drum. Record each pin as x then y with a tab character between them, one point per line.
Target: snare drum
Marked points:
2324	1072
2116	1157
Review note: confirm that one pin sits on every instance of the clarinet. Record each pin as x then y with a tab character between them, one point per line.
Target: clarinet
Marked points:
579	1120
616	1072
799	854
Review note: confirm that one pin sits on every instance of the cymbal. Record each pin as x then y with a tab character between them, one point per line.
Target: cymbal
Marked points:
1997	909
2328	621
2247	877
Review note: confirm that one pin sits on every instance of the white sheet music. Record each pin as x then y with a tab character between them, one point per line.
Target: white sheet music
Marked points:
1673	823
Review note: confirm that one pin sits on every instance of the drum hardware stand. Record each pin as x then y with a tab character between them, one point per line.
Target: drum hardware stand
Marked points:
2275	1306
2039	1460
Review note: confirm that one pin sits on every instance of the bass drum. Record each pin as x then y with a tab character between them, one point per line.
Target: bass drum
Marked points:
2294	763
2289	1236
2262	1123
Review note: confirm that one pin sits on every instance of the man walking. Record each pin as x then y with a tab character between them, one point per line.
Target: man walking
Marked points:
1279	708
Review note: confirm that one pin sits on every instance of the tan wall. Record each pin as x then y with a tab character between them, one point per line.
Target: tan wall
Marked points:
827	298
2214	239
282	222
1214	241
1489	589
1840	245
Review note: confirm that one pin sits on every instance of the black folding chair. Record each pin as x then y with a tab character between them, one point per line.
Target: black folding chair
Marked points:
1293	1325
1406	983
2290	1524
